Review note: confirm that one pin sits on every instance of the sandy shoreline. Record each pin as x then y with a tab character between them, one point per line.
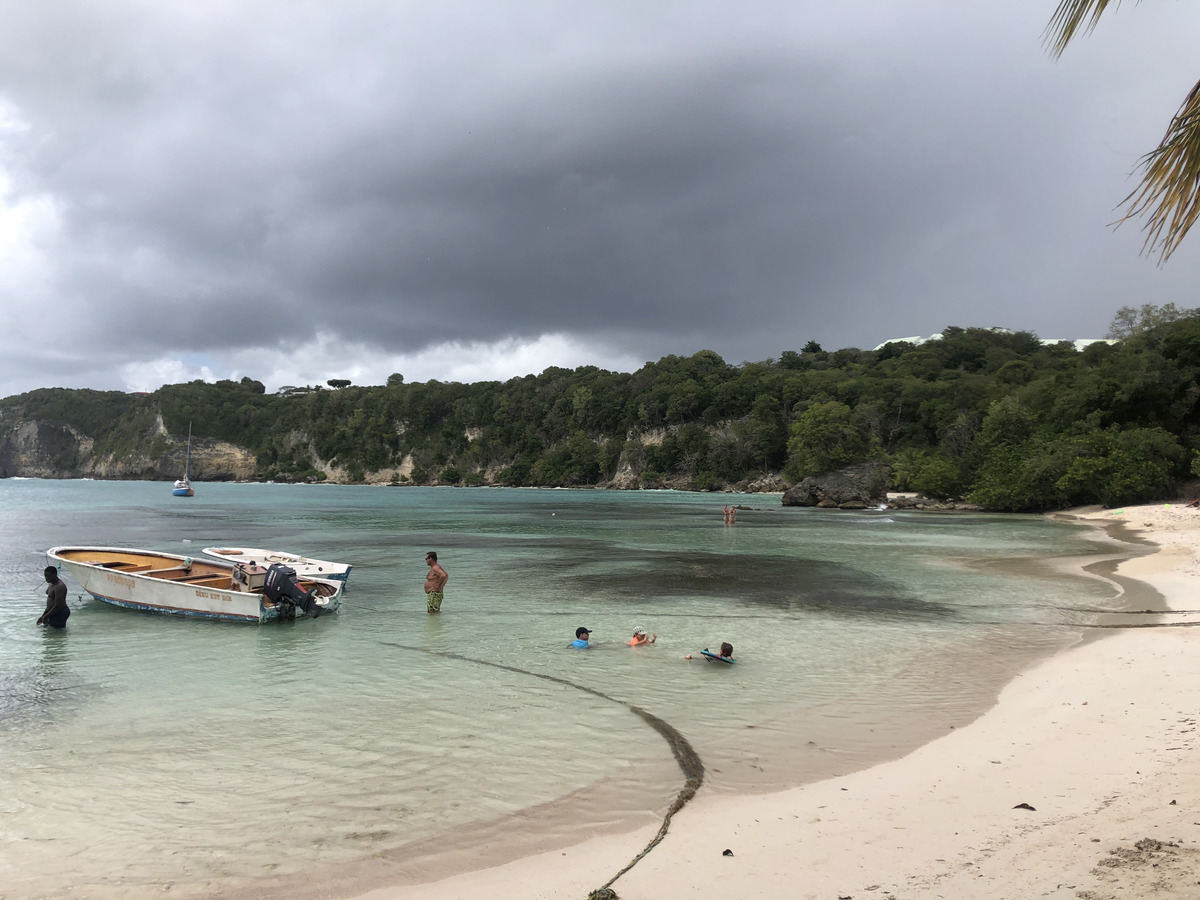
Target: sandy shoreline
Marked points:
1098	740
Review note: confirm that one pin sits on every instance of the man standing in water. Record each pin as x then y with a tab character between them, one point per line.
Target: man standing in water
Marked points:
435	583
57	611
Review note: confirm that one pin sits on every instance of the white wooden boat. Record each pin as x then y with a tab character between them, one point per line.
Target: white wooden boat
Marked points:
202	588
316	568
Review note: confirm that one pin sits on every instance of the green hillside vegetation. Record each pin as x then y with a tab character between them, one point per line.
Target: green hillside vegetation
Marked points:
992	417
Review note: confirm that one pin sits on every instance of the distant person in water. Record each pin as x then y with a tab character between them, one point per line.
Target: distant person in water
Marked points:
57	611
582	636
435	583
725	510
725	654
640	639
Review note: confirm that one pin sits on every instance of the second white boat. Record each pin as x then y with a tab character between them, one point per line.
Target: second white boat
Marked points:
305	567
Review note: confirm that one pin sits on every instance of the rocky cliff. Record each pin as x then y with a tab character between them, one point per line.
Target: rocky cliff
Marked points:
47	449
135	445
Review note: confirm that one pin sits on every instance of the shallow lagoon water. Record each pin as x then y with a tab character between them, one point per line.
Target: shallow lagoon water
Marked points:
209	757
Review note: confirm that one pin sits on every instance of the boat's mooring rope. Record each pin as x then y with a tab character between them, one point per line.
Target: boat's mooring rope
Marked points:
685	755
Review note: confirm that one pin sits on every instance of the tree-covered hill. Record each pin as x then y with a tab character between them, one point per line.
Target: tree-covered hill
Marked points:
995	417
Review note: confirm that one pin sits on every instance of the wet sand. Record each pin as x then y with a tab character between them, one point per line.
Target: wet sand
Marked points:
1081	782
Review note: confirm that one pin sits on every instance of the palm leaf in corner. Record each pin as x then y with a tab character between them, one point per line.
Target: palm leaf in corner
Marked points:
1070	17
1170	190
1169	193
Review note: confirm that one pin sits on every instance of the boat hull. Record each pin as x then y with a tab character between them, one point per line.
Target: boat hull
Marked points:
190	612
304	566
176	585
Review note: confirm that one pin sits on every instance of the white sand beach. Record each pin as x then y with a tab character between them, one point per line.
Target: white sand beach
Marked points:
1083	782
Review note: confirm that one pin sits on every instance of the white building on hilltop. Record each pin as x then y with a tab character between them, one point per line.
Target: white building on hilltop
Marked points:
1079	344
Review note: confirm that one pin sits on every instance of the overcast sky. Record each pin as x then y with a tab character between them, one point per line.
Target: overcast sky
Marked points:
298	190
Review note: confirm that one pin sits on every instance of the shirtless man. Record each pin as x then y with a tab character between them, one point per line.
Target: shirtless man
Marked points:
435	583
57	611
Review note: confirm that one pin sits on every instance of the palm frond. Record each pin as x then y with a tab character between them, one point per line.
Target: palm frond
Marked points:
1070	18
1170	189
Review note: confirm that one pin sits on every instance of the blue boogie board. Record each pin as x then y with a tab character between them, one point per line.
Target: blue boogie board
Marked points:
716	657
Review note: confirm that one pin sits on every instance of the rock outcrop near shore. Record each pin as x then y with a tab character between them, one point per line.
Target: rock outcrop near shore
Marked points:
927	504
855	487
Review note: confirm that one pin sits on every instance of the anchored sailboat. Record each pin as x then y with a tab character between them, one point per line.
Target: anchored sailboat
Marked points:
183	487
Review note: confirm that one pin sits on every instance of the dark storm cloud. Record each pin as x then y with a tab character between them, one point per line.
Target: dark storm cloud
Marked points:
654	177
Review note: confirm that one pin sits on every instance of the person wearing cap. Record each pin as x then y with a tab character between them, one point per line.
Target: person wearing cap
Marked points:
639	637
581	639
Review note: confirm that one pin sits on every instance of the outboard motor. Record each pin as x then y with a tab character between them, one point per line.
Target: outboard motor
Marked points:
282	589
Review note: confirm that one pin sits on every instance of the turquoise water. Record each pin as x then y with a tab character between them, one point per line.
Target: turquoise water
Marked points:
155	752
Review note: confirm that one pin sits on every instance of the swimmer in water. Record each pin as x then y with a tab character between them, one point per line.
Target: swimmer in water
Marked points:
640	639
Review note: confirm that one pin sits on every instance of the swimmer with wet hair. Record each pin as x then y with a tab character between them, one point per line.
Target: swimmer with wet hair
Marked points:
726	654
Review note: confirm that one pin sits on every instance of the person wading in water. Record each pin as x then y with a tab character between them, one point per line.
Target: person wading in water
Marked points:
57	611
435	583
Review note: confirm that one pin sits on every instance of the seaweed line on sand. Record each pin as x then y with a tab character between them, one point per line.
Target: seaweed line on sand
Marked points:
685	755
